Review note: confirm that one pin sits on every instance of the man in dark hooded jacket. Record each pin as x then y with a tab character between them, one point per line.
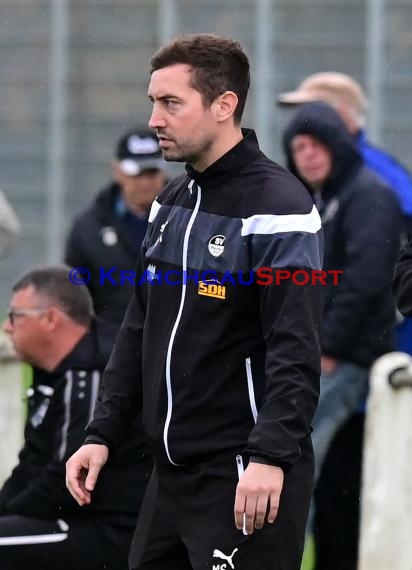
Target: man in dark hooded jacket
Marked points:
361	220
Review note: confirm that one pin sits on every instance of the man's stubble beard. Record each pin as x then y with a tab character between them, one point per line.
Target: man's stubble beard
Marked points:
193	154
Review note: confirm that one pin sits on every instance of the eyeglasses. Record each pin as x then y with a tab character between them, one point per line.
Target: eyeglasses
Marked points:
13	313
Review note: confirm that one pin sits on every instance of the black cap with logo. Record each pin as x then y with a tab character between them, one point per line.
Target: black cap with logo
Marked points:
139	150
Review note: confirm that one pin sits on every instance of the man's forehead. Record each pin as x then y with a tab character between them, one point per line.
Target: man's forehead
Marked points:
167	80
24	295
304	137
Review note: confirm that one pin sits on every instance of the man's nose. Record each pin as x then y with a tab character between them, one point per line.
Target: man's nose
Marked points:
7	327
157	119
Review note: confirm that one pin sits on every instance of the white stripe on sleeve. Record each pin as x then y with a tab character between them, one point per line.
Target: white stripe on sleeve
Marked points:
275	224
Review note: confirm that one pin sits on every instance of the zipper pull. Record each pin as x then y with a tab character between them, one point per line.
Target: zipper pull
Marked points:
239	464
190	186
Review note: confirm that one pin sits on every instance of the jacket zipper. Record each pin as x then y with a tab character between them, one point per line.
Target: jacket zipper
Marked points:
177	321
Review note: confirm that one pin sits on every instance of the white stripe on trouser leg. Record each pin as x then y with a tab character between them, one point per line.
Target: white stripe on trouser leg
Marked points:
240	471
33	539
37	538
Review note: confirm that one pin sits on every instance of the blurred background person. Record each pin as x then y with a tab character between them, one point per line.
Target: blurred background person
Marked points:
9	225
109	233
361	219
348	97
52	327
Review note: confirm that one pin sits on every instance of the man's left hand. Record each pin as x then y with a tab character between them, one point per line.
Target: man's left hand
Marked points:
257	493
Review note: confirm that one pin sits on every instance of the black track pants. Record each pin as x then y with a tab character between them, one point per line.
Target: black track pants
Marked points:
187	523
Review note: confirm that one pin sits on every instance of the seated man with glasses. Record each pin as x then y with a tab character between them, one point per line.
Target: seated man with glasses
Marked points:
52	327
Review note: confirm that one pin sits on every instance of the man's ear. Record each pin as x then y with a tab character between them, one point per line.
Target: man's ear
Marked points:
53	316
224	106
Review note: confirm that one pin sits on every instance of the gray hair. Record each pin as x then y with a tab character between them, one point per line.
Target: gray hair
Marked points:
53	284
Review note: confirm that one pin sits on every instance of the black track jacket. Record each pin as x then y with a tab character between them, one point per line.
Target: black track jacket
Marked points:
217	365
99	242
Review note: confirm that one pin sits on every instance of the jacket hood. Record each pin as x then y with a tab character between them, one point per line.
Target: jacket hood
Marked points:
321	121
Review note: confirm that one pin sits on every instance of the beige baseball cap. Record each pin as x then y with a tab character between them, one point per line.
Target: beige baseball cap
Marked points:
330	86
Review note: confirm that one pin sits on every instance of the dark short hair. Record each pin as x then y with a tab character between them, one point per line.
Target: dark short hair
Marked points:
219	64
54	285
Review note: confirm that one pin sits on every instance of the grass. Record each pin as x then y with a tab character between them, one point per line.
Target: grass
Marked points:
308	555
27	378
27	375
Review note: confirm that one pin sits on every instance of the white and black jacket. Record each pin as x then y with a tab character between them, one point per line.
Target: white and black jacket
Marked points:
220	366
60	404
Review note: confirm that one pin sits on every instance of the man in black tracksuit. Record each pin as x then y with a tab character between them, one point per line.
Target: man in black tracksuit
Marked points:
51	326
223	362
105	238
362	224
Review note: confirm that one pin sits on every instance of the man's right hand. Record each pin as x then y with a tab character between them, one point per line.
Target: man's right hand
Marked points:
82	471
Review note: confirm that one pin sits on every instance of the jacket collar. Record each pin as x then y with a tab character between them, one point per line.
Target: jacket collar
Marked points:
93	349
229	164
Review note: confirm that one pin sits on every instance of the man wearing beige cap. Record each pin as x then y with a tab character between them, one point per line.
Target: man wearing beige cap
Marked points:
337	89
349	99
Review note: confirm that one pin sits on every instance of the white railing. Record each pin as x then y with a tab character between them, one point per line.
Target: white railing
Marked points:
386	521
11	410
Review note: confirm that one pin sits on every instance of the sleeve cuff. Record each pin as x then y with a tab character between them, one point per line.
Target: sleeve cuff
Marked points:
96	440
265	460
